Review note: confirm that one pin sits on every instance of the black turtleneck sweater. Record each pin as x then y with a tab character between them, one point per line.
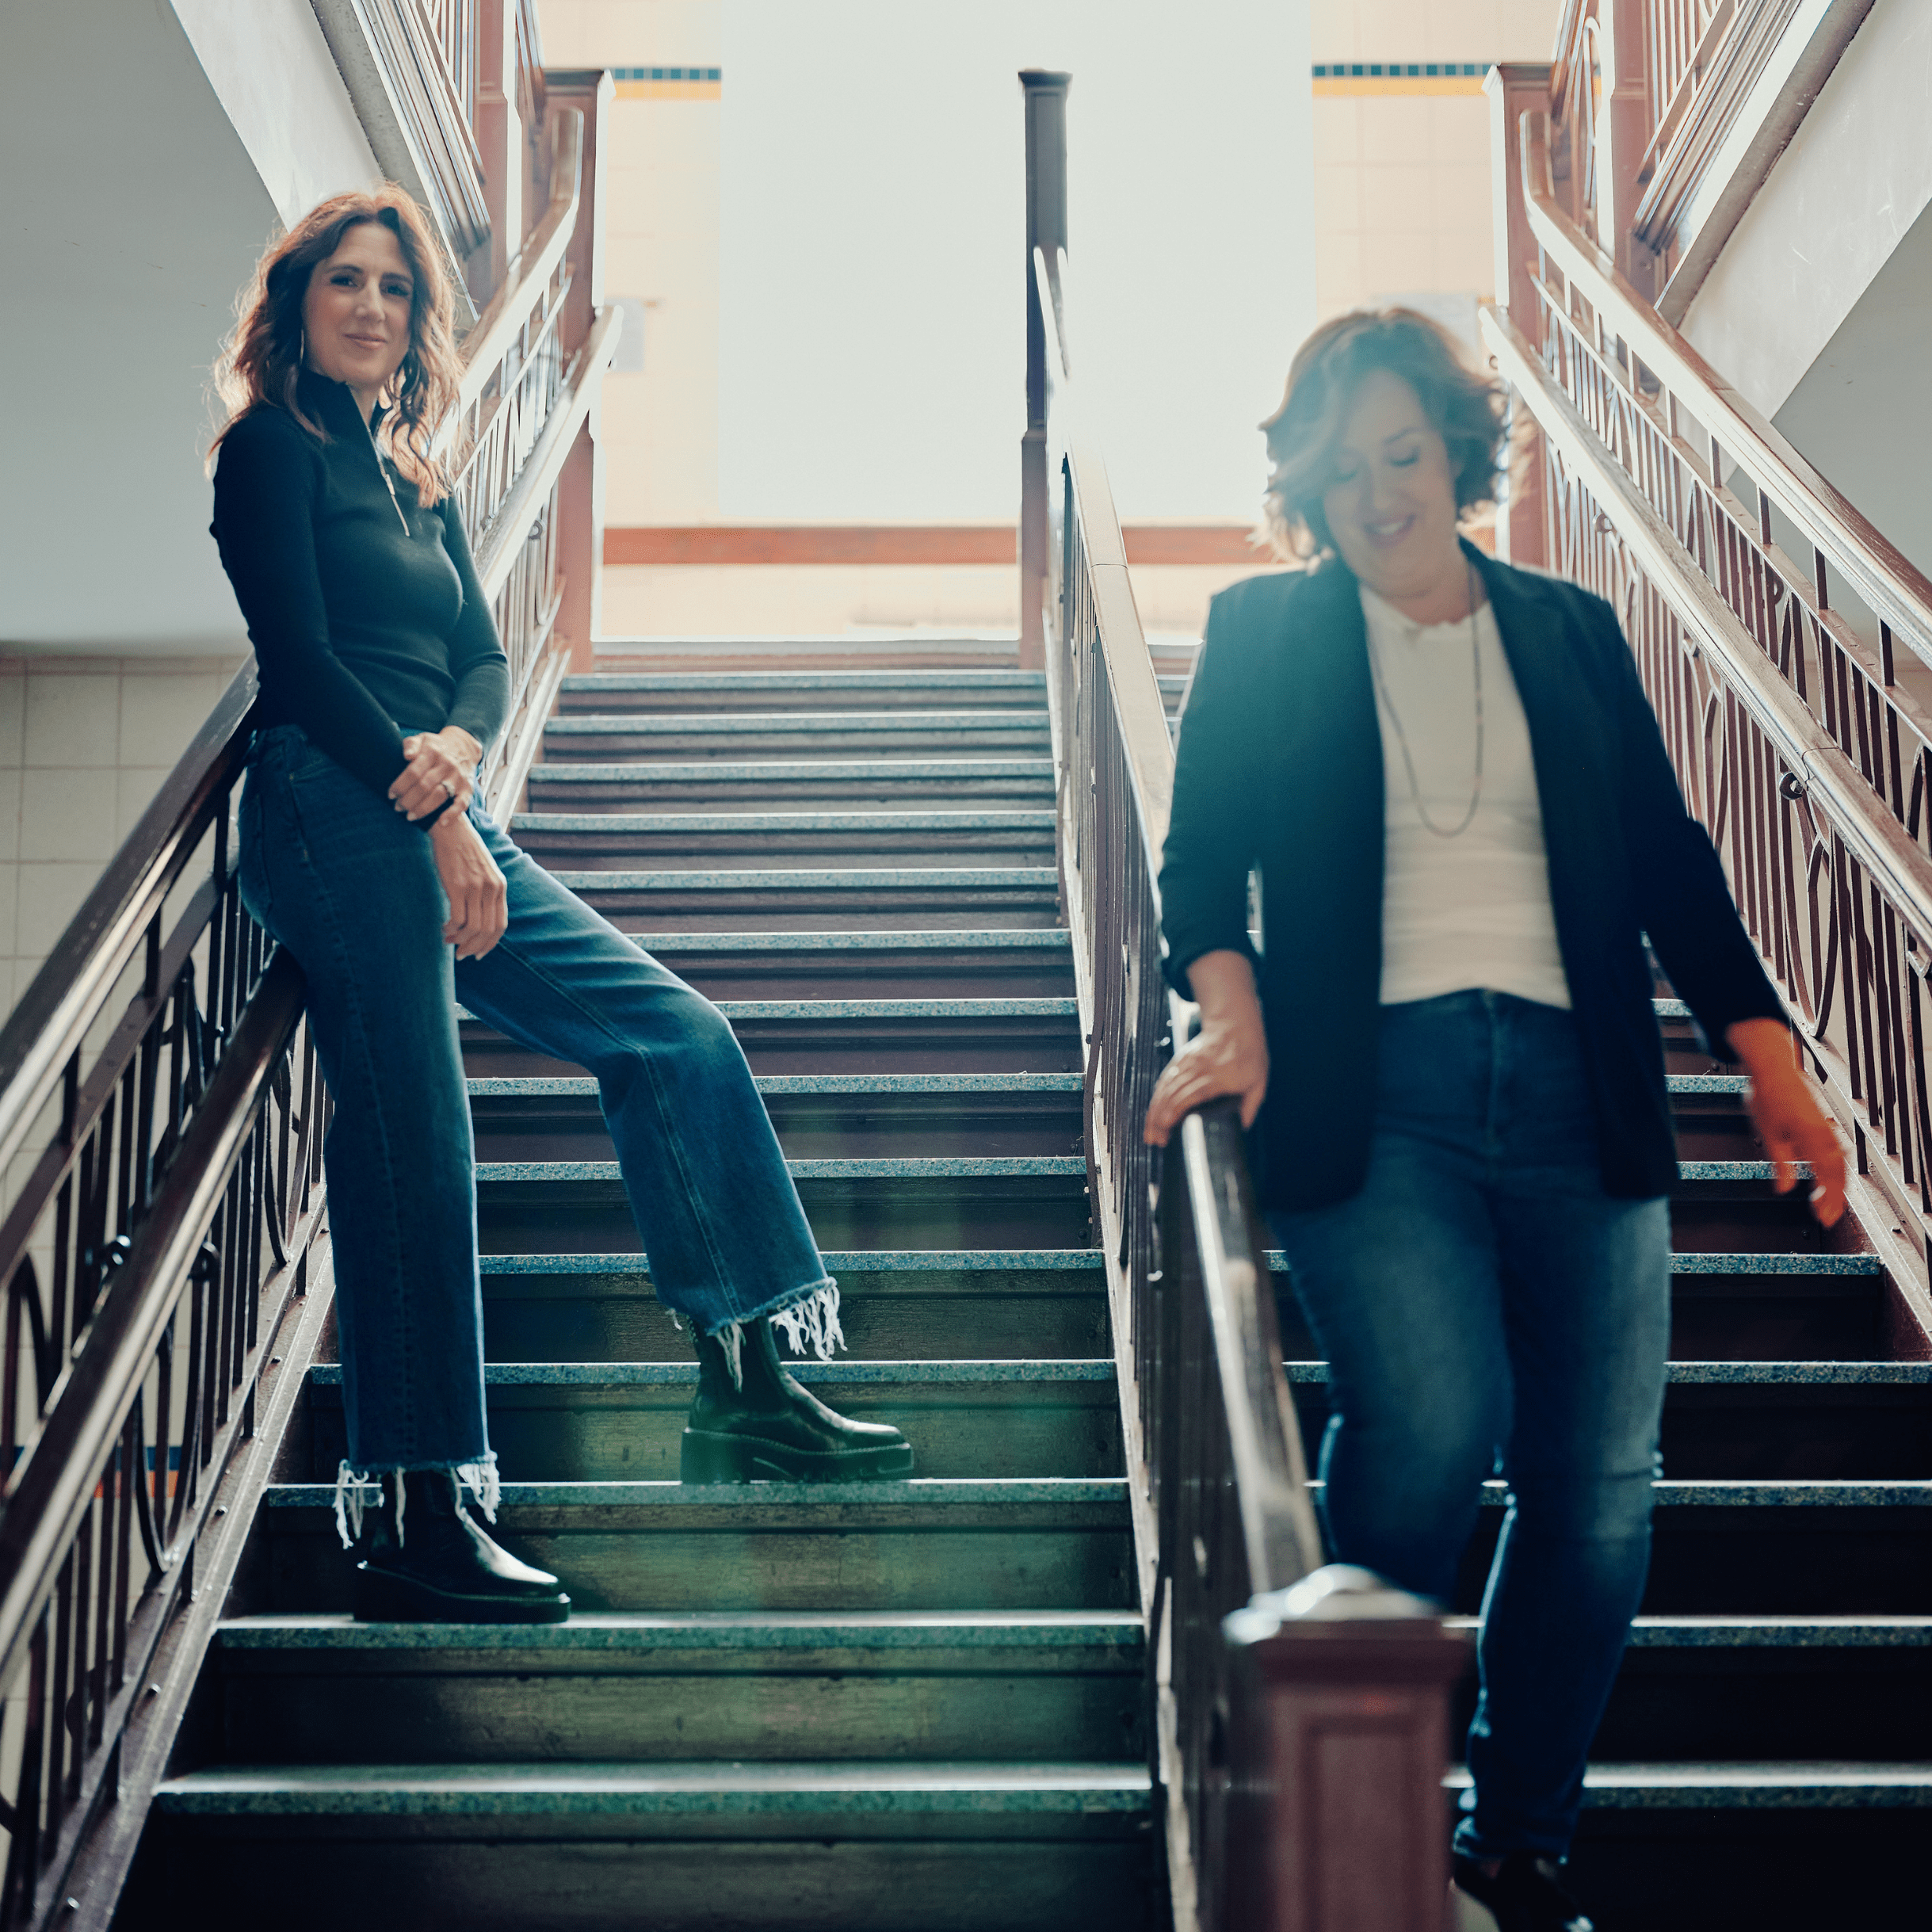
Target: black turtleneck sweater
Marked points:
364	608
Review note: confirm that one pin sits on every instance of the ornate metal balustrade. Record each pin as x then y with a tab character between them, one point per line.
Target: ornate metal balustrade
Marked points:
164	1252
154	1253
1787	648
1223	1525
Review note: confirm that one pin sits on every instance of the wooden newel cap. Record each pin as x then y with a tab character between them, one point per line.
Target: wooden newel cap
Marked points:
1344	1625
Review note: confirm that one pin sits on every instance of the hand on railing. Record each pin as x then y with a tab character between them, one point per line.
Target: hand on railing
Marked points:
1228	1055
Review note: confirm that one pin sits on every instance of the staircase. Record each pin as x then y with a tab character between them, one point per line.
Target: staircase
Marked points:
1764	1760
871	1707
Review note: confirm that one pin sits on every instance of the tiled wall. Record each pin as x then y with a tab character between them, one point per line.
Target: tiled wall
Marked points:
84	743
1402	174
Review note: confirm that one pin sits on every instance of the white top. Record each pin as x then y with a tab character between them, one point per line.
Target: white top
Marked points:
1473	910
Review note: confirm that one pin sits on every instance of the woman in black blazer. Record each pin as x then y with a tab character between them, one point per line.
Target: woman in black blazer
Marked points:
1447	776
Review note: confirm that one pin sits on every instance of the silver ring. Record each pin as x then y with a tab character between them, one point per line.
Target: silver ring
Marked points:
450	787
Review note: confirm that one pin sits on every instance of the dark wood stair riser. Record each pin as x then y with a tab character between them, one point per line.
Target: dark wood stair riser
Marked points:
592	1879
810	1126
1076	1559
1005	1212
1710	1704
971	1706
1786	1432
1765	1559
934	1044
1007	1315
632	1434
1727	1318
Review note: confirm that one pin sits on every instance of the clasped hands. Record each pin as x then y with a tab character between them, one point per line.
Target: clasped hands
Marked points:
442	764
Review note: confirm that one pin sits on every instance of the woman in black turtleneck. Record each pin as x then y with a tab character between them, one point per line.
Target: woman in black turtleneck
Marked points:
365	852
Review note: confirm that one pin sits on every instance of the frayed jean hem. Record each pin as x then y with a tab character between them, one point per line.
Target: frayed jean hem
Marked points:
356	1489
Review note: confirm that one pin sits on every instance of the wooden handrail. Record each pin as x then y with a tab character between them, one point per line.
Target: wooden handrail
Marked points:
1883	578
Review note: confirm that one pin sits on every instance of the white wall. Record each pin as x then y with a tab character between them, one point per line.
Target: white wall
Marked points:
1863	412
273	74
1855	179
135	214
872	260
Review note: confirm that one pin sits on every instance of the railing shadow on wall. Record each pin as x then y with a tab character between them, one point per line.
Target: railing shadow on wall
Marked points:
1787	648
1284	1695
165	1258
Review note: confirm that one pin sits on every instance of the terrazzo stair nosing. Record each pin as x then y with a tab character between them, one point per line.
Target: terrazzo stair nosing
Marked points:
786	771
797	724
698	1787
583	1088
1823	1786
895	678
947	1372
1828	1374
1669	1492
1038	1008
1776	1633
902	939
896	1496
885	1632
642	824
1692	1260
843	1261
904	1167
876	879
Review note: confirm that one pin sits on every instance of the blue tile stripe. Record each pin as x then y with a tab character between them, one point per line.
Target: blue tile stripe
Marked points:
667	73
1392	69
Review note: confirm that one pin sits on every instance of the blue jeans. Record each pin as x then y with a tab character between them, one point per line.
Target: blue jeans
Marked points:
1484	1304
338	876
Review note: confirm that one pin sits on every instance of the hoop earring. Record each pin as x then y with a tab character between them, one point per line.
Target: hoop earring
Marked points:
302	351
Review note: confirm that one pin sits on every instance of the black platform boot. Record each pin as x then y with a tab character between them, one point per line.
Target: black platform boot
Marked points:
1524	1894
759	1424
428	1561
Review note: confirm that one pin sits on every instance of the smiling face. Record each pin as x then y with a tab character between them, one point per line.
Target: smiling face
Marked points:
1390	502
357	312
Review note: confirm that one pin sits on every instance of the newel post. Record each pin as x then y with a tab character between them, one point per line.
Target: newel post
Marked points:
1046	229
1515	89
1338	1742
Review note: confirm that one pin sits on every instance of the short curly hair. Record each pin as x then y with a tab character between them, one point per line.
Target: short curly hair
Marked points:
1467	408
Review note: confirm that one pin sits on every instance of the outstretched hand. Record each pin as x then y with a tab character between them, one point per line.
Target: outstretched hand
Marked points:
1794	1128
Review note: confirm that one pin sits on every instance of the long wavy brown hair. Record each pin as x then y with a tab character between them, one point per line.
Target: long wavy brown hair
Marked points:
1467	408
260	362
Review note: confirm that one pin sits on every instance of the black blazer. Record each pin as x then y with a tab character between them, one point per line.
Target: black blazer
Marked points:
1279	768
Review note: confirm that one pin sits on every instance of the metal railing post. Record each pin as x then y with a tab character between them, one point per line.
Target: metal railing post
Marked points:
1046	228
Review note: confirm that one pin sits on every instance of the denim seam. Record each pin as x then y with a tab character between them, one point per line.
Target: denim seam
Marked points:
359	1029
668	1136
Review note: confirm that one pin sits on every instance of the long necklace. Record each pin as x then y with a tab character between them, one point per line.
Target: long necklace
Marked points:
1402	737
